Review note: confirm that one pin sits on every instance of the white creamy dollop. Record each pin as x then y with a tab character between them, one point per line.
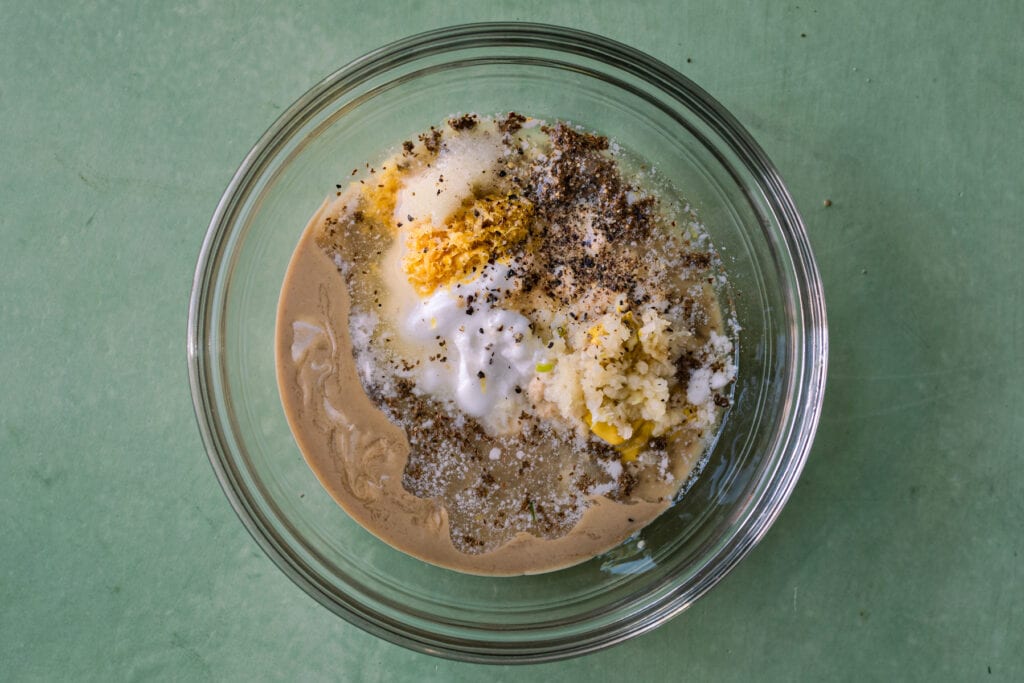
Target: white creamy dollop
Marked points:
463	163
486	352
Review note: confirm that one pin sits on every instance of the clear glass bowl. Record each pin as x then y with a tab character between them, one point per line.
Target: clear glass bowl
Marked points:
356	114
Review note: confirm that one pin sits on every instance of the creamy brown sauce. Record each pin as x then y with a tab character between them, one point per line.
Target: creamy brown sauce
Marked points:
373	467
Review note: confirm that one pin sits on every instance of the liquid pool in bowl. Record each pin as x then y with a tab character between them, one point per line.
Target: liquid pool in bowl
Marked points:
502	348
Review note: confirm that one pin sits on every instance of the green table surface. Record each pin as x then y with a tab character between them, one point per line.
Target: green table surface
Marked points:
898	556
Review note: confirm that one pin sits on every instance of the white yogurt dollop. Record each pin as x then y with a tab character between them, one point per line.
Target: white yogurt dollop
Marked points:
486	353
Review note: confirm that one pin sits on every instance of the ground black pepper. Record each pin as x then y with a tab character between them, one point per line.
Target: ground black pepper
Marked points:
464	122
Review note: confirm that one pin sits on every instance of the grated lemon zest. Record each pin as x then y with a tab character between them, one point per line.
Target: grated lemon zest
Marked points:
485	230
380	194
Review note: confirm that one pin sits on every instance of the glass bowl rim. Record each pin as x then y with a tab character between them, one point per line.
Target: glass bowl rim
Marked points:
813	341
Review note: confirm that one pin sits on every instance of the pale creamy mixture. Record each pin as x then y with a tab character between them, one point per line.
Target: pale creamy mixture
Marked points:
502	349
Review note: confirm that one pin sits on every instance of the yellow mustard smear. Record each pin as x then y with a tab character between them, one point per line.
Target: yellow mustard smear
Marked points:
629	448
488	228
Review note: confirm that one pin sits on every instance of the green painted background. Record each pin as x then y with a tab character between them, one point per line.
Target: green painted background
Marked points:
898	556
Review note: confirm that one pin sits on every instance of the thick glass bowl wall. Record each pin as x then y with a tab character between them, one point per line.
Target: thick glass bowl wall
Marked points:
354	117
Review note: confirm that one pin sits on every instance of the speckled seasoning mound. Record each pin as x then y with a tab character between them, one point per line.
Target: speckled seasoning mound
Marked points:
500	351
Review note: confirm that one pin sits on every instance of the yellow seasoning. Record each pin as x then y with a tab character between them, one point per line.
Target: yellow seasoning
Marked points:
629	448
603	430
